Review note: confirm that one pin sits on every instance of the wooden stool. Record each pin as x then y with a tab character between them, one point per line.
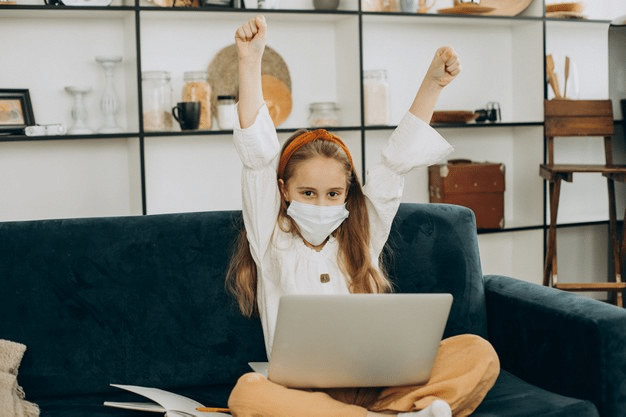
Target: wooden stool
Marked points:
582	118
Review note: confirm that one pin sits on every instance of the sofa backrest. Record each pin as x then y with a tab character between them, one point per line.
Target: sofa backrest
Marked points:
129	300
141	300
434	248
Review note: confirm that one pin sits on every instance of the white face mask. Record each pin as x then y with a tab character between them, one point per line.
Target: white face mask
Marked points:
316	223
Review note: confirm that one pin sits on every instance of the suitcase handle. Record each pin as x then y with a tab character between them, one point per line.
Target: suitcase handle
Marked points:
459	161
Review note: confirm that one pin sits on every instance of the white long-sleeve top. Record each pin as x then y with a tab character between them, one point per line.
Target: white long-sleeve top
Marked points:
285	265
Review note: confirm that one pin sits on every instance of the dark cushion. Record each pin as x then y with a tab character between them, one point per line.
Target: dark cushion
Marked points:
512	397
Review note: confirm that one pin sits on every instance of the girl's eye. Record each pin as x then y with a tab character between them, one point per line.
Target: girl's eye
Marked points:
333	194
308	193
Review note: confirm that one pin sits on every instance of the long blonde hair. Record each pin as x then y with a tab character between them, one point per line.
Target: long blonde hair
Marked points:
353	235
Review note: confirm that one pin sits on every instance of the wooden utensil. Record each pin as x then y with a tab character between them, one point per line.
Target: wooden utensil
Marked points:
552	79
566	76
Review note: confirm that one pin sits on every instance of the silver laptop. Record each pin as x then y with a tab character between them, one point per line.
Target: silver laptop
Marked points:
356	340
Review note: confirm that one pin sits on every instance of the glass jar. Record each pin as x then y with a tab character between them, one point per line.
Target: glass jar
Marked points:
157	101
196	88
323	114
226	111
376	97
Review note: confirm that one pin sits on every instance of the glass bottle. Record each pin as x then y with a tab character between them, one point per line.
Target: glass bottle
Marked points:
376	97
197	88
157	101
323	114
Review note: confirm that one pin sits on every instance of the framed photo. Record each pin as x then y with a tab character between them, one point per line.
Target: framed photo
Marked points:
16	110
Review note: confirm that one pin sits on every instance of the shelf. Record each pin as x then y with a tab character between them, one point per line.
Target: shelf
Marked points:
464	20
510	229
485	125
302	13
52	12
64	12
18	138
329	128
21	138
583	224
578	21
210	133
472	125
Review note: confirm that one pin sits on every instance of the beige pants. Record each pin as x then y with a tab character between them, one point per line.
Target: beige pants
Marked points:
465	370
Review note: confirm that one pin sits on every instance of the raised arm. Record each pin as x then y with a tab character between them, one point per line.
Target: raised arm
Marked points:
413	144
250	40
444	67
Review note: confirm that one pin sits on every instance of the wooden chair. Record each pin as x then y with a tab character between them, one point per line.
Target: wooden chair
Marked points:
582	118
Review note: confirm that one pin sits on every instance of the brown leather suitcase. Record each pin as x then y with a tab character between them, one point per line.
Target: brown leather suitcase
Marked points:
477	185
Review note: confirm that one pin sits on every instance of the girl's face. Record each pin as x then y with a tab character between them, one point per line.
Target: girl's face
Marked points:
319	180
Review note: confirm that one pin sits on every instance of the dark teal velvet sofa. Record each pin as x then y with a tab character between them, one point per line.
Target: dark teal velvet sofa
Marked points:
141	301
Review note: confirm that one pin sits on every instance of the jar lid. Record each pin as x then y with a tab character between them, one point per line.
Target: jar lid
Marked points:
226	97
196	75
376	73
323	105
156	75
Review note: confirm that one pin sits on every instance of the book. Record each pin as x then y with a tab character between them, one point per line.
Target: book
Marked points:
173	405
260	368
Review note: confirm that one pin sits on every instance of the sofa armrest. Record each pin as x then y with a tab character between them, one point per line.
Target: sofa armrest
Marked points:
559	341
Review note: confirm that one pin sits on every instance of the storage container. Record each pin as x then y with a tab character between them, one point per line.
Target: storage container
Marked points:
476	185
157	101
226	111
376	97
324	114
196	88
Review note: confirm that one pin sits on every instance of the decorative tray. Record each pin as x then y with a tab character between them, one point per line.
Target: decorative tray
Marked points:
467	8
506	7
453	116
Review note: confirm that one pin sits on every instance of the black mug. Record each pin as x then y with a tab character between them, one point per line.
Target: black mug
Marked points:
187	114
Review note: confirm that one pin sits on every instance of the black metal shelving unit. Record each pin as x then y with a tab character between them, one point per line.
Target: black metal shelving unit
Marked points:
137	10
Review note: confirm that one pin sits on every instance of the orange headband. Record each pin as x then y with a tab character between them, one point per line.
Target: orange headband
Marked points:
305	138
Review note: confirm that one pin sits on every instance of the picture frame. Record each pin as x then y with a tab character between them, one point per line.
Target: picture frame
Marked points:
16	111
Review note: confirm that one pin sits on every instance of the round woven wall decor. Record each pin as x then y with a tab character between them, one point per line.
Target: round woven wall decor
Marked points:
224	72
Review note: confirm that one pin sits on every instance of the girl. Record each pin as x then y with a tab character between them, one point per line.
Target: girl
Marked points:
311	228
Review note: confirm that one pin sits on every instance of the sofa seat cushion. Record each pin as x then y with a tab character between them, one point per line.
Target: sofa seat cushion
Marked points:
512	397
92	405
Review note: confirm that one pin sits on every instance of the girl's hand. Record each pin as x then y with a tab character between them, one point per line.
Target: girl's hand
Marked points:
250	38
444	67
